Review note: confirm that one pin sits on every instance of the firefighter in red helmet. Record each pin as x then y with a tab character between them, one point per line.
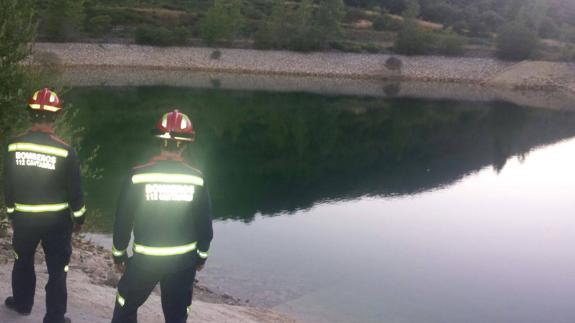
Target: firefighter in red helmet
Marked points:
167	206
44	201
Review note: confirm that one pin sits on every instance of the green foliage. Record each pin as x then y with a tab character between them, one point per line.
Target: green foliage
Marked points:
412	39
290	27
412	9
222	21
17	31
491	20
216	54
393	64
354	14
516	42
449	43
63	19
441	11
160	36
372	48
549	29
532	14
328	17
387	22
567	53
99	25
346	46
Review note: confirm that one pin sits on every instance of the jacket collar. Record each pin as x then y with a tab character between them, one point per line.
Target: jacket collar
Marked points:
42	128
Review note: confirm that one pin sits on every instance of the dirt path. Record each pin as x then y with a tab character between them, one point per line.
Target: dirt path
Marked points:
89	303
91	291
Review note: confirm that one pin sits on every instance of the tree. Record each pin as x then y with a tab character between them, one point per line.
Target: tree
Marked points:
328	18
99	25
17	31
222	21
515	41
63	19
449	43
532	14
412	9
412	39
291	27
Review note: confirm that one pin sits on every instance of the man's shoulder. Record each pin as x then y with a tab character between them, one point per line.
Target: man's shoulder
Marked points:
191	169
40	138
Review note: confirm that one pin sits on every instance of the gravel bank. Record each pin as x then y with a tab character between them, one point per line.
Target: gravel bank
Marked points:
536	84
342	65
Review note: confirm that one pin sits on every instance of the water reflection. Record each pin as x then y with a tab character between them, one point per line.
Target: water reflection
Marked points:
494	247
271	153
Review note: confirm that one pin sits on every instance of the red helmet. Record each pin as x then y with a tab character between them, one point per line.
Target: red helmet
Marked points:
175	125
45	100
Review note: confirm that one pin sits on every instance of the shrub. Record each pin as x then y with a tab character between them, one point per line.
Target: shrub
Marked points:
371	48
346	46
568	53
413	39
449	43
393	63
354	14
491	20
160	36
387	22
549	29
460	27
63	19
294	28
99	25
516	42
222	21
216	54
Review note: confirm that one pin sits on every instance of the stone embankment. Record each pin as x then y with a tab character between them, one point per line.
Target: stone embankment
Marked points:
485	71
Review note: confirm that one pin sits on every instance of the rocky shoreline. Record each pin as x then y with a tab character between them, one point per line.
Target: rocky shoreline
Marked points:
481	71
91	288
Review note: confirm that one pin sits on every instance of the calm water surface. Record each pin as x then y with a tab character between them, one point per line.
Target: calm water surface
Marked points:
353	209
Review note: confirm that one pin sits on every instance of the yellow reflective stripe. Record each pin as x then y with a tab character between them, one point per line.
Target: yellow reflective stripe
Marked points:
164	251
46	107
118	253
66	268
9	210
183	138
121	300
41	207
26	146
189	309
203	255
16	255
167	178
80	212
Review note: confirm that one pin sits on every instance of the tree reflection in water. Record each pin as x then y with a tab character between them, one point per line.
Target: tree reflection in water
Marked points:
271	153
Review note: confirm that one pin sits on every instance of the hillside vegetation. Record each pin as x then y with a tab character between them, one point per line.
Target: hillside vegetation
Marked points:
511	29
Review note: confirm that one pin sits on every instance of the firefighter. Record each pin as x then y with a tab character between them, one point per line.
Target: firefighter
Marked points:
44	202
167	205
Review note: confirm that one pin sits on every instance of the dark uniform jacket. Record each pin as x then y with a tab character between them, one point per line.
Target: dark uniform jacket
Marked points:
167	205
42	178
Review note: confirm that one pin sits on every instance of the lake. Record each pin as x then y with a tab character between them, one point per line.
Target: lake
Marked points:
336	208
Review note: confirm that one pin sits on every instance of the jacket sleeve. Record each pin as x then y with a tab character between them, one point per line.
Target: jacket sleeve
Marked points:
75	194
203	223
8	192
124	221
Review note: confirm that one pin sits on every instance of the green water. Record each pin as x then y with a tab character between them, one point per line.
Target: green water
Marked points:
359	209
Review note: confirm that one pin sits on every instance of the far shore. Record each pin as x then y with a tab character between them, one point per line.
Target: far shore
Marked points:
532	75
